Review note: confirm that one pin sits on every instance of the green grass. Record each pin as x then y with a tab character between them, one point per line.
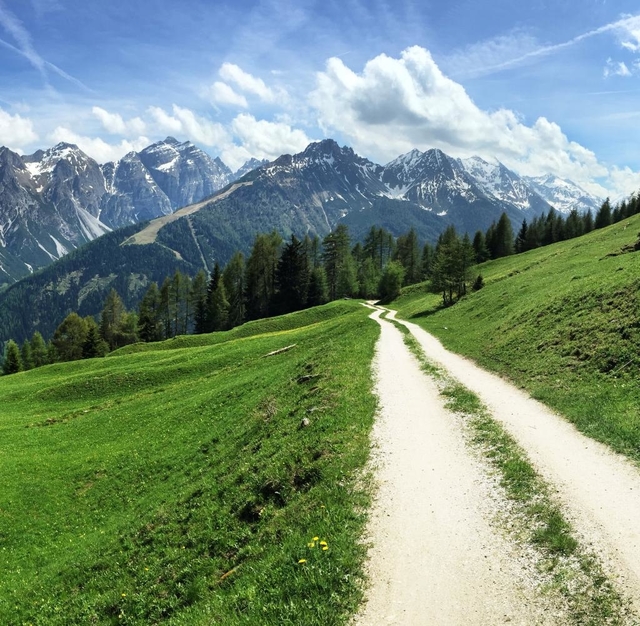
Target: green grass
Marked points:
563	322
180	486
570	570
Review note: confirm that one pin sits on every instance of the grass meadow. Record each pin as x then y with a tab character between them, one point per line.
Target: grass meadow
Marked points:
196	481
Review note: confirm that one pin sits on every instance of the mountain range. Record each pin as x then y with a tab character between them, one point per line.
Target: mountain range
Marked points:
56	200
172	207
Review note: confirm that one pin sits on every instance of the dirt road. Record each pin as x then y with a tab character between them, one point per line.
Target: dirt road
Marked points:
436	557
599	489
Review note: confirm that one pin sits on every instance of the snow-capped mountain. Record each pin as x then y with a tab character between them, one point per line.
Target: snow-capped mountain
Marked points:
468	194
564	195
185	173
499	182
249	166
52	201
55	200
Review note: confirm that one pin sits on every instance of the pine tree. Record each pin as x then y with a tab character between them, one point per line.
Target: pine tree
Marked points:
336	249
111	320
521	238
503	238
25	355
408	254
12	361
480	247
292	277
261	274
603	217
428	254
347	280
234	286
219	308
38	350
69	338
391	281
199	302
93	346
587	222
318	290
165	308
149	324
368	279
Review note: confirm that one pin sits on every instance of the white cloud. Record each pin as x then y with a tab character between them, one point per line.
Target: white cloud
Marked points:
624	181
395	105
628	30
616	68
262	139
185	122
246	82
221	93
16	131
96	147
115	124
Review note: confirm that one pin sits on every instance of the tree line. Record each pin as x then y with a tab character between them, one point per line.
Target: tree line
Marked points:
280	277
277	277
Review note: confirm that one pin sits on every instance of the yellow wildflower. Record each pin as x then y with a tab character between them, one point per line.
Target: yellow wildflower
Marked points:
325	547
302	561
311	544
315	539
323	543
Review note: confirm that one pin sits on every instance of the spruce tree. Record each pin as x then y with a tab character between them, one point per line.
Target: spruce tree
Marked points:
318	290
38	350
25	355
292	277
93	346
111	320
603	217
12	360
69	338
234	286
149	324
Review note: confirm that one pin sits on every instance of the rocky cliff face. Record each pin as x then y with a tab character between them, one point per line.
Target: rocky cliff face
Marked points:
55	200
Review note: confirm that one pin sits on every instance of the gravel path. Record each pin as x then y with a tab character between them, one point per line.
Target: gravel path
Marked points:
599	489
435	557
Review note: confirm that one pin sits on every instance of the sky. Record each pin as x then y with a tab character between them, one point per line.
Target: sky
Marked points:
543	86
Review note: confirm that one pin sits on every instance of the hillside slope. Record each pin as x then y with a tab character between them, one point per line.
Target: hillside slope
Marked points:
181	486
563	322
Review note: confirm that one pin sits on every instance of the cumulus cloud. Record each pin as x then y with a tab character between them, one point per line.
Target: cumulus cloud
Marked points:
262	139
16	131
246	82
628	30
396	104
245	137
116	125
624	181
186	123
221	93
96	147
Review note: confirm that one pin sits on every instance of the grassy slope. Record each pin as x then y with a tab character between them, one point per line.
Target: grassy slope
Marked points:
132	485
563	322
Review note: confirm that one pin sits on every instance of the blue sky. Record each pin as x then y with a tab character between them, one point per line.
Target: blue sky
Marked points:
543	86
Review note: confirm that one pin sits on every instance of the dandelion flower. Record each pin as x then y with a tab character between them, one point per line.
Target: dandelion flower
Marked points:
302	561
311	544
323	543
124	595
325	547
315	539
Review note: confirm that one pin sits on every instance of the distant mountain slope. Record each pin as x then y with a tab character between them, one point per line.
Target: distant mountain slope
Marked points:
55	200
563	195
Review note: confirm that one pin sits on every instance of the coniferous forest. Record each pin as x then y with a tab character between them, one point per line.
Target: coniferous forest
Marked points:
281	276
